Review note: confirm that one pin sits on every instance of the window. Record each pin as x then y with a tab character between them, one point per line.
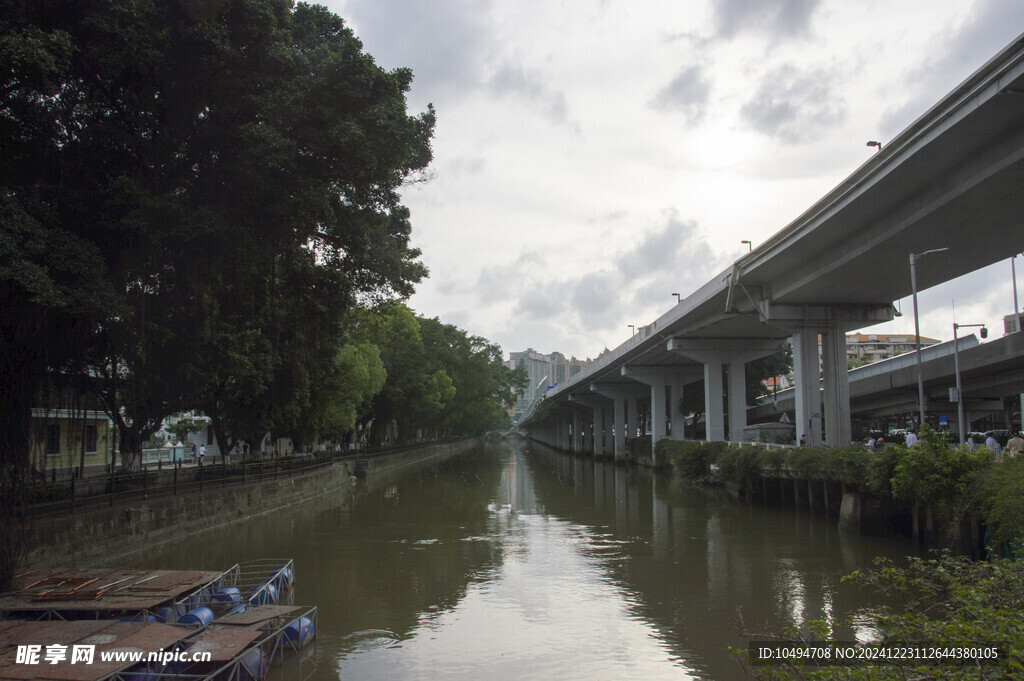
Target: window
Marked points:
91	438
53	440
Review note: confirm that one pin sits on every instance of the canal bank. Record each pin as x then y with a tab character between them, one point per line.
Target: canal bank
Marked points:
101	534
851	487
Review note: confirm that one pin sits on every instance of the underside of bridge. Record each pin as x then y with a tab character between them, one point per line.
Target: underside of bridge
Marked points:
953	180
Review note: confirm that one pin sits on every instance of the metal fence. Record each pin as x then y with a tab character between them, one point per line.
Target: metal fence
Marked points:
175	478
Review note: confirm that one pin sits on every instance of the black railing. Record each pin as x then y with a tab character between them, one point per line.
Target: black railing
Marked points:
167	479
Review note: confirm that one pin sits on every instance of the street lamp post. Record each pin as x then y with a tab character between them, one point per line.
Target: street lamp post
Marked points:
917	329
961	422
632	329
679	298
750	246
1020	329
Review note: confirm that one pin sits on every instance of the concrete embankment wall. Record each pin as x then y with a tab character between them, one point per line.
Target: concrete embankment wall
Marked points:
102	534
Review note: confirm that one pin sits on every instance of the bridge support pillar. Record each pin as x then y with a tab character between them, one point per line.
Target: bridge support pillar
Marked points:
664	383
621	396
676	418
807	396
619	428
600	436
576	434
714	411
836	379
805	323
733	354
835	384
592	407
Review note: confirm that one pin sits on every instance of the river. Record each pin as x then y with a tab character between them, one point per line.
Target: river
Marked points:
519	563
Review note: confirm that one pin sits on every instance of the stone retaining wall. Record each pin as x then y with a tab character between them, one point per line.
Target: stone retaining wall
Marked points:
101	534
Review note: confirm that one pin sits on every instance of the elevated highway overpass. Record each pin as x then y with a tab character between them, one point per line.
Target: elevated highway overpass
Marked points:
989	372
954	179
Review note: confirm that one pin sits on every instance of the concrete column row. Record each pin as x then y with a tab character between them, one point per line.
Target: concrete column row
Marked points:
601	420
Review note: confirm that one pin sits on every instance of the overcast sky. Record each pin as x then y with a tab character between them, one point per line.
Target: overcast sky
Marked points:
592	157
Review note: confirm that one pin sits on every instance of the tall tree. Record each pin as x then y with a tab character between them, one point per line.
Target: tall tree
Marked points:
192	195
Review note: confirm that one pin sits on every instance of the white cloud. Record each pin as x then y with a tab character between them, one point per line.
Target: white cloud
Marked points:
781	18
565	129
794	105
688	94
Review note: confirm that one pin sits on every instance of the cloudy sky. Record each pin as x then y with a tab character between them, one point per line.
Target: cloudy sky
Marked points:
592	157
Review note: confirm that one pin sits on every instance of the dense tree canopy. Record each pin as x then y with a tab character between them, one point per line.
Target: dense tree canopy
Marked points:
192	197
440	380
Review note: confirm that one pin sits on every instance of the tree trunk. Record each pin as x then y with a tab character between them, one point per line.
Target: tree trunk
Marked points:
14	479
131	447
23	365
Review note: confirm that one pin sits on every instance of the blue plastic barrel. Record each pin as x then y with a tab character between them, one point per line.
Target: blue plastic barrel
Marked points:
253	665
167	614
229	594
267	595
141	617
299	632
201	616
284	578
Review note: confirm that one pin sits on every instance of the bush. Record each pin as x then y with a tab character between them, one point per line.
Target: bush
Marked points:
771	458
691	459
742	467
999	491
806	462
933	472
639	447
881	468
848	464
943	601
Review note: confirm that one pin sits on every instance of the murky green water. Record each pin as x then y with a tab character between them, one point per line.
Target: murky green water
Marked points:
517	563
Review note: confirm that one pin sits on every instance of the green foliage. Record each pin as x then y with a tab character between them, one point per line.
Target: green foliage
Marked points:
758	370
742	467
943	600
639	447
771	459
691	459
999	494
932	472
848	464
183	427
197	200
881	469
806	462
357	376
439	378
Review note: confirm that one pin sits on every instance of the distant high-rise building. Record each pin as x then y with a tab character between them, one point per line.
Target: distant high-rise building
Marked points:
1010	323
543	371
562	369
538	377
865	348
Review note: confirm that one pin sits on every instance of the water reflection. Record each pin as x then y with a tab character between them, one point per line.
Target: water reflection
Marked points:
517	563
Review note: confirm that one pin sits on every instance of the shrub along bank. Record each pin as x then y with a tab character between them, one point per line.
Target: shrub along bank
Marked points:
947	483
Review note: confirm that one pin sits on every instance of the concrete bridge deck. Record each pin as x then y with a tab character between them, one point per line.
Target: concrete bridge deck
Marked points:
954	179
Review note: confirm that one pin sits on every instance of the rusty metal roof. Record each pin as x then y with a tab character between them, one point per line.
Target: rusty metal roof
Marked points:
104	634
259	614
100	589
224	643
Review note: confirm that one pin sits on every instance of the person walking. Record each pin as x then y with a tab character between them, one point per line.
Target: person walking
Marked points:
1015	447
993	444
193	452
911	438
202	454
